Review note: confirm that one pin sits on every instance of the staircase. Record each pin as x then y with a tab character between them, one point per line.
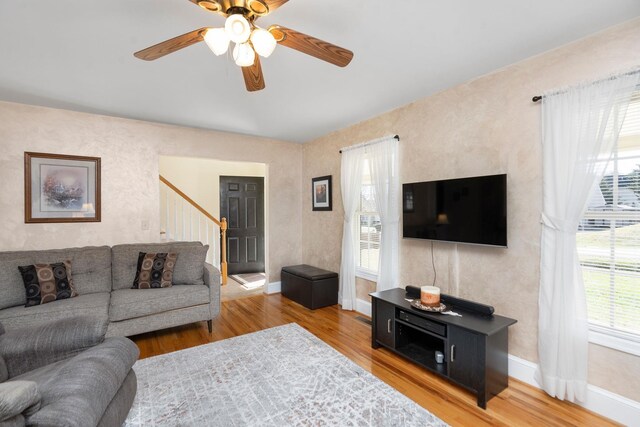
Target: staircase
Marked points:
182	219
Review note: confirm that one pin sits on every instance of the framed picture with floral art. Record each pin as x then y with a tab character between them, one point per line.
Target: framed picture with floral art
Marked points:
321	193
61	188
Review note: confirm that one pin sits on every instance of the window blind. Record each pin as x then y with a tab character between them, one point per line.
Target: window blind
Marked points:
368	225
608	238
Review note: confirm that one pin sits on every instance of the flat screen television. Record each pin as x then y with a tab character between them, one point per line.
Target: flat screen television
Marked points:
464	210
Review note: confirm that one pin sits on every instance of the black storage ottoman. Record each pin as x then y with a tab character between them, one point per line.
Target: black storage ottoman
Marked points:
310	286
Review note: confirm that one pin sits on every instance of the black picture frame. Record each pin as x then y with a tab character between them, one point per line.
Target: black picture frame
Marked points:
321	193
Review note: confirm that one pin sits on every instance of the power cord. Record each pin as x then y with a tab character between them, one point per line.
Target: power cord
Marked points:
433	263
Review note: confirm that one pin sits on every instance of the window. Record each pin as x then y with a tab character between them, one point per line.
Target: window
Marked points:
609	244
369	229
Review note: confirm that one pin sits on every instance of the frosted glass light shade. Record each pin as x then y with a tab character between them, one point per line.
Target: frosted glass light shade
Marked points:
237	28
244	55
217	40
263	42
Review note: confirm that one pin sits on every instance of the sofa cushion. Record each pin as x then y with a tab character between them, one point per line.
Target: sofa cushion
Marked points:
46	283
120	406
77	391
132	303
4	372
96	305
155	270
189	269
91	270
17	397
11	285
17	421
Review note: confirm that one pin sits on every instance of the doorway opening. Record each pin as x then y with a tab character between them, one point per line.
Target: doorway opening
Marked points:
201	180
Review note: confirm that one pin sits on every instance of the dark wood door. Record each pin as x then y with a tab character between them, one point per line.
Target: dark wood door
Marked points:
242	203
384	319
464	365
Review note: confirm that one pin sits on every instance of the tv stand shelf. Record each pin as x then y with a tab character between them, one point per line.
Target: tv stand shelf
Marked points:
475	346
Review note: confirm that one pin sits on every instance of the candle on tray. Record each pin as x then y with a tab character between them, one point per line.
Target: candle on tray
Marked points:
430	296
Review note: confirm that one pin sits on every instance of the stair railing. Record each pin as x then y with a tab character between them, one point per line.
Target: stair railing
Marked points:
182	219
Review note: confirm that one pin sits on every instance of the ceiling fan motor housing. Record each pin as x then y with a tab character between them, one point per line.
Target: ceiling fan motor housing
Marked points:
249	8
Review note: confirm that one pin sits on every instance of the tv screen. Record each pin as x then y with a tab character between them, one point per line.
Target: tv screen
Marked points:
465	210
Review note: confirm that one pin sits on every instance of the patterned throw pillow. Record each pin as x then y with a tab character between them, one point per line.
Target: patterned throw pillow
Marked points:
155	270
47	282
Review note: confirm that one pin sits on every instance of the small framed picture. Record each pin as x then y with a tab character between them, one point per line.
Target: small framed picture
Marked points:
321	193
61	188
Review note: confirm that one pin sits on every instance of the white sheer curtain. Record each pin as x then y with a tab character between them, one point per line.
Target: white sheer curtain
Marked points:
383	160
350	185
580	129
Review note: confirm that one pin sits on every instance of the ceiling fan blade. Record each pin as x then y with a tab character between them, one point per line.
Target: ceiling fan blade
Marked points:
253	78
311	46
169	46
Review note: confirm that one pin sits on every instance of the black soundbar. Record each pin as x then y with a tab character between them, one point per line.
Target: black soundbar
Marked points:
486	310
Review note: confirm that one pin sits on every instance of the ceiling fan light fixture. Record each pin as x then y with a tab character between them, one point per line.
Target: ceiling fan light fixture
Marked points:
238	28
217	40
244	55
263	42
210	5
258	7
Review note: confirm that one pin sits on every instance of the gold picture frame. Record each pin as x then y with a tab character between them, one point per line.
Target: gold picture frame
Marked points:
61	188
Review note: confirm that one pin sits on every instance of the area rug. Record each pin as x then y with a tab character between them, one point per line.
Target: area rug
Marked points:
282	376
250	281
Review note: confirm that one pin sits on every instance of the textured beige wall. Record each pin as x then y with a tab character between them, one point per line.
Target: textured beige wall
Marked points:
363	288
199	178
486	126
130	153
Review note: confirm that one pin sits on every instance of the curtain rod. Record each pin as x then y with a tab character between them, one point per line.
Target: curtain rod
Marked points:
375	141
539	97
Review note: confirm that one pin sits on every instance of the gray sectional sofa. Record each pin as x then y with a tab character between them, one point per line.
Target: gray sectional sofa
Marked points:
103	277
65	373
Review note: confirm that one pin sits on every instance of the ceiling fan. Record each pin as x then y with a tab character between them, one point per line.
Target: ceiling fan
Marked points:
251	41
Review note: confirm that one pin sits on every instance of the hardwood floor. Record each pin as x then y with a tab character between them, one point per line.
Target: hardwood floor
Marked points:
519	405
234	290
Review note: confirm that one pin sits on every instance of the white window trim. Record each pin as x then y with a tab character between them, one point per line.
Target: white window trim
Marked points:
614	339
366	274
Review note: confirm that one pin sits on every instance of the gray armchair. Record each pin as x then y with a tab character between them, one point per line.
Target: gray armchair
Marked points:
66	373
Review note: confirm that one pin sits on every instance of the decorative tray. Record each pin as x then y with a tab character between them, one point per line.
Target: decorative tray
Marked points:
417	304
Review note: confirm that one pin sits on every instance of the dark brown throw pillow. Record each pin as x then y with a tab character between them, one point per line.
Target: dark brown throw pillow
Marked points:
155	270
47	282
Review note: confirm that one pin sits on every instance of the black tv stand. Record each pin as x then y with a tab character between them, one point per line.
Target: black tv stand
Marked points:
475	346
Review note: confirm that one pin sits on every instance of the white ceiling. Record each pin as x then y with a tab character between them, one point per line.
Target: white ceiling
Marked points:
78	55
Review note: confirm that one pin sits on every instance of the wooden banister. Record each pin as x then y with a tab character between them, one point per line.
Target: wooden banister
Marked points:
202	210
222	223
223	249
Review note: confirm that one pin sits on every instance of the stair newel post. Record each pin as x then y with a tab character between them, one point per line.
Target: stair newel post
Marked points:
223	249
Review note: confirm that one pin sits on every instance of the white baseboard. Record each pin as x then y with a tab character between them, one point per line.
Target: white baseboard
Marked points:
605	403
363	307
522	370
272	288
